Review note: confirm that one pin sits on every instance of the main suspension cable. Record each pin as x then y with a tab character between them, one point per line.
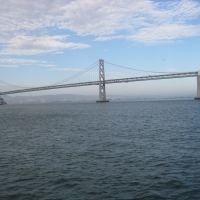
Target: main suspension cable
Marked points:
133	68
6	83
62	81
76	75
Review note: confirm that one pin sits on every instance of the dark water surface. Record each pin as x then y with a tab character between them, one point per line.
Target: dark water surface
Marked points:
130	150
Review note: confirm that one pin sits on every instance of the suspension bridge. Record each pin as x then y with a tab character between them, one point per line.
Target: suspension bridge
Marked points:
101	81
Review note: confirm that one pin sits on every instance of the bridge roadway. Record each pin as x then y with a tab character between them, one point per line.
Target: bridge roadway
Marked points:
122	80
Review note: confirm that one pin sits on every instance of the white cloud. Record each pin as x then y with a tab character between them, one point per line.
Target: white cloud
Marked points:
102	17
58	52
30	45
147	21
165	33
157	22
47	65
107	38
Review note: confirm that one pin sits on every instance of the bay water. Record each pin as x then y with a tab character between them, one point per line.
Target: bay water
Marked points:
117	150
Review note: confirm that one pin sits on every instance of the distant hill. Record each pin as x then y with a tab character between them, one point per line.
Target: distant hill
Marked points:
80	98
47	98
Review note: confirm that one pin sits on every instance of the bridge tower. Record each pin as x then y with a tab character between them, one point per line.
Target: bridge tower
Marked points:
102	87
198	86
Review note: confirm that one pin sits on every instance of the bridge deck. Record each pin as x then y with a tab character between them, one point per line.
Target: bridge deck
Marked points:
122	80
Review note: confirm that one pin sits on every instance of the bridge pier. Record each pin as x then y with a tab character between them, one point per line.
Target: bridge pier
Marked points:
102	87
198	86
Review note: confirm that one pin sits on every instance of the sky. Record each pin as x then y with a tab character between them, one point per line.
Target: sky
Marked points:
45	41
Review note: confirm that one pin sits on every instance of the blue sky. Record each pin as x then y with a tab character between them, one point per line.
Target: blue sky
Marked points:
45	41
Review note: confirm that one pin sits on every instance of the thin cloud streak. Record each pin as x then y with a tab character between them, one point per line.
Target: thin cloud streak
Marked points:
9	66
18	61
65	69
9	62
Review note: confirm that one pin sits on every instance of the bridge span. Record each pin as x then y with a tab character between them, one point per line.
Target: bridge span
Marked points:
102	82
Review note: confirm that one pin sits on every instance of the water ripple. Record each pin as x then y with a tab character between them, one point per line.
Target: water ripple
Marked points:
132	150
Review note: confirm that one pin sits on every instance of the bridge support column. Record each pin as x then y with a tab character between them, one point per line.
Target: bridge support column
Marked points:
198	86
102	87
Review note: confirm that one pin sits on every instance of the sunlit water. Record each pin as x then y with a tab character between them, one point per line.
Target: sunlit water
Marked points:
122	150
